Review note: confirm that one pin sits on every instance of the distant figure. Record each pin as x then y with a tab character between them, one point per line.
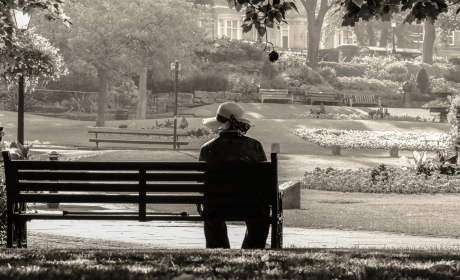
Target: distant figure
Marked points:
232	145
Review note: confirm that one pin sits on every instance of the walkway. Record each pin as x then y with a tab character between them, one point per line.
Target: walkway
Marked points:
178	235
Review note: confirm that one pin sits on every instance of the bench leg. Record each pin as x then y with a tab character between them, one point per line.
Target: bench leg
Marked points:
277	227
16	231
9	225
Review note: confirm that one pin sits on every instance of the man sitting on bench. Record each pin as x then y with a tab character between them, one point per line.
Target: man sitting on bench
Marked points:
232	145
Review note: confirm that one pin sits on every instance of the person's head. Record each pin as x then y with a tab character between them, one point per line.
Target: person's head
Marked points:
229	116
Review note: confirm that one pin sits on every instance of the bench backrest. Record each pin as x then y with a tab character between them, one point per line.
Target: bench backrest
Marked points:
273	91
241	183
361	98
136	131
322	94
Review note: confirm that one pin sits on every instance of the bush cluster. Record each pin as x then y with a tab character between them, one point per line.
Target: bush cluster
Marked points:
381	180
364	139
303	75
344	69
352	117
380	88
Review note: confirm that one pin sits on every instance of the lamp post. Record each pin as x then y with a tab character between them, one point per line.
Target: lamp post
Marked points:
393	25
21	21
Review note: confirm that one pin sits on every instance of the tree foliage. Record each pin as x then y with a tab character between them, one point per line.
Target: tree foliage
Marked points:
8	31
39	59
418	10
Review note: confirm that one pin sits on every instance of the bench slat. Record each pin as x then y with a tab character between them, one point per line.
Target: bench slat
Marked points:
136	217
229	167
136	131
134	141
158	199
244	188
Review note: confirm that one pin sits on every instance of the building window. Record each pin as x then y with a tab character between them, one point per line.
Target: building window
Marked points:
346	37
284	36
228	28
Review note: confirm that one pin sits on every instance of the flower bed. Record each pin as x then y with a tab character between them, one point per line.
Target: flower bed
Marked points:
363	139
391	181
353	117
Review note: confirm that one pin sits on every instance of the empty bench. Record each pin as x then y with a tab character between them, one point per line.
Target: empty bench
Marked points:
361	99
108	132
275	94
141	183
329	97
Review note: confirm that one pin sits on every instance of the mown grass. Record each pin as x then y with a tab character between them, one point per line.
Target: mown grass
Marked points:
228	264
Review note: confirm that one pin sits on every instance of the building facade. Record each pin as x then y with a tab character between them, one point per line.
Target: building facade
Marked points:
220	21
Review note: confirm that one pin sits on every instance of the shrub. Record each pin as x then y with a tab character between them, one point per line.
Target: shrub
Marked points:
454	60
381	180
454	74
423	83
277	82
303	75
269	70
291	60
242	83
361	85
328	74
397	72
344	69
441	85
208	81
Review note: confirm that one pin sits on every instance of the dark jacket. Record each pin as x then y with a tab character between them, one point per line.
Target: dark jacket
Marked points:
228	146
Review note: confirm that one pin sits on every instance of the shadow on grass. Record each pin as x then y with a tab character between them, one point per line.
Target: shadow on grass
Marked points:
228	264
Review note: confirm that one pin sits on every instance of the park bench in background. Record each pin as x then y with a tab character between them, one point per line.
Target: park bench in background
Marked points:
142	183
275	94
323	97
138	132
361	99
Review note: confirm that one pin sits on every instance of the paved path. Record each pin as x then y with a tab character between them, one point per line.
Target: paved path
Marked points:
179	235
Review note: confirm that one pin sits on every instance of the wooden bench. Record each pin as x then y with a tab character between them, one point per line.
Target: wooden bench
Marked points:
142	183
361	99
275	94
138	132
323	97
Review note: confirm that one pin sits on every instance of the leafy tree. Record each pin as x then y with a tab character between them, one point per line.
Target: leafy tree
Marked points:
447	23
39	60
117	38
8	30
156	44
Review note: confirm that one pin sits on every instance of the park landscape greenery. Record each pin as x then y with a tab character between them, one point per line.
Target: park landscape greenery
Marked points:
121	55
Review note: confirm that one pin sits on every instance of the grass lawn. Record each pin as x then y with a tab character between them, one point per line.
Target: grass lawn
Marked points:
228	264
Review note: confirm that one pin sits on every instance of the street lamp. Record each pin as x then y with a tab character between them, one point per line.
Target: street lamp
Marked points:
21	21
393	25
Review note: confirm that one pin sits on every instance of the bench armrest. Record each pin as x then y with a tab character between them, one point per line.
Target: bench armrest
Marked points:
291	194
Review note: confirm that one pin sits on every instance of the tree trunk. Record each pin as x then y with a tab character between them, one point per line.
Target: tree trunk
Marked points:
315	21
142	100
359	35
314	35
102	75
370	34
384	34
428	41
